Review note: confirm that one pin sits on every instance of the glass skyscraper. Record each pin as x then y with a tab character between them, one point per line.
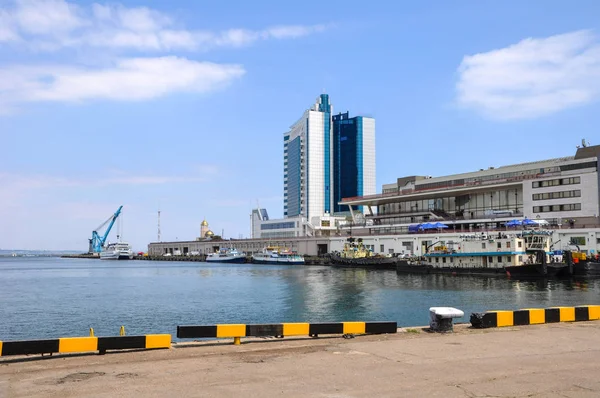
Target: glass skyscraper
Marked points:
325	159
354	158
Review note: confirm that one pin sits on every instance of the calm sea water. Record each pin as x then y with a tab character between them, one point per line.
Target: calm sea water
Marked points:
54	297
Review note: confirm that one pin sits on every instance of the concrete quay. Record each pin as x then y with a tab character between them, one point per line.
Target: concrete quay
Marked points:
550	360
308	260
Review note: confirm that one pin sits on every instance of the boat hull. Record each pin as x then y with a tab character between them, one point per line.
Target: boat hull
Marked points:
116	256
405	267
587	269
229	260
537	270
272	261
366	263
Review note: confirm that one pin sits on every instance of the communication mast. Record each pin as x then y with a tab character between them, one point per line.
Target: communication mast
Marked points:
159	225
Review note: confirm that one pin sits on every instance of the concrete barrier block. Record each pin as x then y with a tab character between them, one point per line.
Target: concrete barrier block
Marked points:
484	320
326	328
354	328
77	344
296	329
158	341
504	318
264	330
234	330
566	314
594	312
381	327
536	315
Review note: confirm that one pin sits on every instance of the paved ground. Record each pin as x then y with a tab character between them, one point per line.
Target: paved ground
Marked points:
559	360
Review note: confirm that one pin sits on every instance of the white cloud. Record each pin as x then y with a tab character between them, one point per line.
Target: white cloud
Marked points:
532	78
51	17
233	202
23	182
50	25
129	80
8	31
53	25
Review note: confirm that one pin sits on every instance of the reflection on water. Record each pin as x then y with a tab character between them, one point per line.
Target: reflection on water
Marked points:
51	297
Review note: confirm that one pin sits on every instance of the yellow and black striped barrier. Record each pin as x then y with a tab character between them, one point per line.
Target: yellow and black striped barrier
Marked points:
284	329
534	316
84	344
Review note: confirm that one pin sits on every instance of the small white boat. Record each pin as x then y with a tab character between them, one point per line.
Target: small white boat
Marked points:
117	251
275	255
227	256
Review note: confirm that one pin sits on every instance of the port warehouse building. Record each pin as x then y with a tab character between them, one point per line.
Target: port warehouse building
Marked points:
563	192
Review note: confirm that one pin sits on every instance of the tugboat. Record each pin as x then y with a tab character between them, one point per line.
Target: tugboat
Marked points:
537	244
356	255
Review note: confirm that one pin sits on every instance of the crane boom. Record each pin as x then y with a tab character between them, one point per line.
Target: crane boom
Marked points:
97	242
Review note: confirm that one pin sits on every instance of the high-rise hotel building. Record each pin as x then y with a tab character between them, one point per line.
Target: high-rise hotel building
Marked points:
326	158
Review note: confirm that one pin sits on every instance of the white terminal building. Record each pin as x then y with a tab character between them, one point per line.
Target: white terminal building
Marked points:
329	198
560	194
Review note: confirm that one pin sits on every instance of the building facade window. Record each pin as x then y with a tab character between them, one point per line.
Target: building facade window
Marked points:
557	195
556	208
279	225
578	240
556	182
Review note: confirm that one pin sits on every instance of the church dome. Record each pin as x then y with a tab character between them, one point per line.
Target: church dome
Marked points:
209	234
204	223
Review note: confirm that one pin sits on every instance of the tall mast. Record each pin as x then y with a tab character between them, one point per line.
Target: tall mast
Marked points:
158	224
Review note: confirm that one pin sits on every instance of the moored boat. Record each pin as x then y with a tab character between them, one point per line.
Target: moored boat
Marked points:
517	255
356	255
277	256
117	251
587	267
227	256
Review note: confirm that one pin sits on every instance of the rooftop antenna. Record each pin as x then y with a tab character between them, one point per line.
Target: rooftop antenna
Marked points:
583	144
158	223
258	209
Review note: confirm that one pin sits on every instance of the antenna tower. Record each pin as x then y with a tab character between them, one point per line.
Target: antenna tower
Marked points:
158	225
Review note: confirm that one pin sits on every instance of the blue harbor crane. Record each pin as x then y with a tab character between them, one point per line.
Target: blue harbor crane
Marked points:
97	241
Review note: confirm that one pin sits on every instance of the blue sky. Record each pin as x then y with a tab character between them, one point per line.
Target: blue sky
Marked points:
183	104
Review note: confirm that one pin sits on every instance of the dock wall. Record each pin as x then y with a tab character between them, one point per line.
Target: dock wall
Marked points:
534	316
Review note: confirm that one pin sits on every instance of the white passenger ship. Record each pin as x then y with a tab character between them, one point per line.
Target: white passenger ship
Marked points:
276	255
117	251
227	256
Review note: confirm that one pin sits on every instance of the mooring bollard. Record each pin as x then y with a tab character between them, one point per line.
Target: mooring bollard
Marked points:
440	318
237	341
